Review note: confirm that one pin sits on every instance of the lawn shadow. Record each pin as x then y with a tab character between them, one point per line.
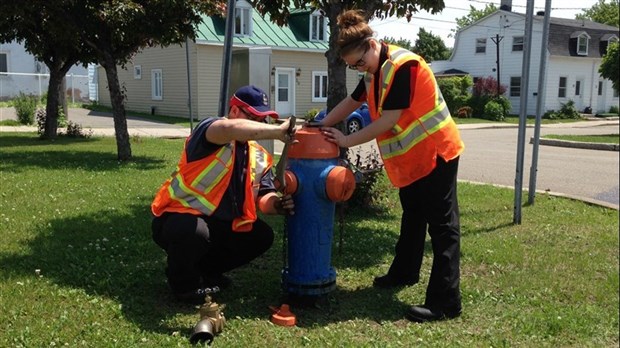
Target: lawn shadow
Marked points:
108	254
11	140
17	162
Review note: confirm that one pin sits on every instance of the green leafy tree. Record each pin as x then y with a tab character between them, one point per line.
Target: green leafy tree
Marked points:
473	15
39	25
404	43
610	66
108	32
602	12
430	47
336	69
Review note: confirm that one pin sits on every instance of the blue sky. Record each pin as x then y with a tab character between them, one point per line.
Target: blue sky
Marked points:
441	23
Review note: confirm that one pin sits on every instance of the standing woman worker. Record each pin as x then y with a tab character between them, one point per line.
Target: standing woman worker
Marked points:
420	147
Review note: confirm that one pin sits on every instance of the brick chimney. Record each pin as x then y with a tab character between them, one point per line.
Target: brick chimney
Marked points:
505	5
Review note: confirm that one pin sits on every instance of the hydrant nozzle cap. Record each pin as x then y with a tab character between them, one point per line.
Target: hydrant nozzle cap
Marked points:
283	316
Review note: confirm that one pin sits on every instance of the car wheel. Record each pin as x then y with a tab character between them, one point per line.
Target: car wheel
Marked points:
353	126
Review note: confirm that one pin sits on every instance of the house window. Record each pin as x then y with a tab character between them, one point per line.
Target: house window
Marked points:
582	45
318	26
615	93
517	44
157	92
515	86
137	72
4	64
243	18
600	88
319	86
562	88
481	45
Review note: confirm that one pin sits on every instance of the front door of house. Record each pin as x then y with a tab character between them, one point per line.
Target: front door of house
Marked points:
579	95
600	97
285	91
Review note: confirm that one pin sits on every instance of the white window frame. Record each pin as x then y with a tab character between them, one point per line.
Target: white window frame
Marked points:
562	88
6	59
318	26
323	81
243	12
157	84
481	46
516	45
580	39
515	88
137	72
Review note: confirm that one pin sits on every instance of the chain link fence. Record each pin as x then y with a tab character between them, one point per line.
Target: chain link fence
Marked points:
78	88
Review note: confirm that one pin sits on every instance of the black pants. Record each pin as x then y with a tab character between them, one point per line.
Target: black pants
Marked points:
200	246
432	202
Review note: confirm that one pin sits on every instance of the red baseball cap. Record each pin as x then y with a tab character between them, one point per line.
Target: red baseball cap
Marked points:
254	100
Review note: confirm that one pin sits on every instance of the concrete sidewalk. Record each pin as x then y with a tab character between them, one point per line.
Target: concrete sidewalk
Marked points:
102	124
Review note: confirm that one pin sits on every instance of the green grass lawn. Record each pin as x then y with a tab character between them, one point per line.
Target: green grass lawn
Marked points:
596	138
78	266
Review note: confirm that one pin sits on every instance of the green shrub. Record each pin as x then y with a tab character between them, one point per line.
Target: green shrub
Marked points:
74	130
367	196
455	91
613	109
494	111
25	107
567	111
311	113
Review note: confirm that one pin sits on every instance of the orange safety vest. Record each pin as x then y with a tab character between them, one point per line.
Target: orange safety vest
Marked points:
197	187
423	131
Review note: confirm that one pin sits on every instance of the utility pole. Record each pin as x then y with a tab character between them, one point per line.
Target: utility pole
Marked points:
496	40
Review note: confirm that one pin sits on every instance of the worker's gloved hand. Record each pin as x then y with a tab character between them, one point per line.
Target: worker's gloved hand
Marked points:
284	205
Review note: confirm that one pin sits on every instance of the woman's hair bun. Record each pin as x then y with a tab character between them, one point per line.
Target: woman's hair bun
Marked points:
350	19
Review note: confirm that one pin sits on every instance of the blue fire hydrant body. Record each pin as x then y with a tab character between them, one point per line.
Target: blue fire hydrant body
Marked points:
310	231
319	183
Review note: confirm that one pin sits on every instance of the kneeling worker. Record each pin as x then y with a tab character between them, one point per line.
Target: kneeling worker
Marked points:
205	214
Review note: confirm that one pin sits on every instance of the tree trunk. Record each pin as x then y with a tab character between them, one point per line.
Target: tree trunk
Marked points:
123	146
336	69
51	108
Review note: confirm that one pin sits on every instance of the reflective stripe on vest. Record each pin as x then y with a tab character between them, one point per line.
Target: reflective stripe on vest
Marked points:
205	181
429	123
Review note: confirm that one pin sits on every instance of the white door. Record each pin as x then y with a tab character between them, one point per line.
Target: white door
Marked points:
579	95
285	91
600	97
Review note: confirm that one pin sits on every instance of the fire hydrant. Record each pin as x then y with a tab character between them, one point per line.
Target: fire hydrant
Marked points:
316	182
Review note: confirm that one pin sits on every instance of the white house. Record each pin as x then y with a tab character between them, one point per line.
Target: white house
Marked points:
573	54
21	72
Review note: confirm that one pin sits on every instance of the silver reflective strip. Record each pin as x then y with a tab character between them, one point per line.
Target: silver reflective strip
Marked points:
418	131
210	176
179	192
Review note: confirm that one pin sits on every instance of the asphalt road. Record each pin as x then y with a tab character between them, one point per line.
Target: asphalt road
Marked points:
491	157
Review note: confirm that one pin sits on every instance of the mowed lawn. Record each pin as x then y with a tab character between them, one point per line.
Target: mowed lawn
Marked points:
78	267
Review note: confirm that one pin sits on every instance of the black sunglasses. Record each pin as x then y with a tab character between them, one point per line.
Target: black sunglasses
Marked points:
360	62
